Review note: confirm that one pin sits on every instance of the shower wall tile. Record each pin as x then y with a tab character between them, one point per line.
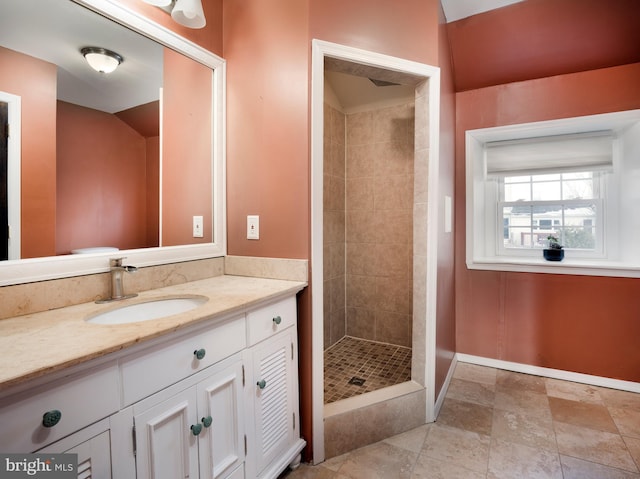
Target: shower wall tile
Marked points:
392	124
393	192
379	227
334	247
393	158
393	294
360	193
394	227
338	325
395	327
360	129
361	322
360	160
421	123
336	256
361	291
389	260
421	176
361	226
361	258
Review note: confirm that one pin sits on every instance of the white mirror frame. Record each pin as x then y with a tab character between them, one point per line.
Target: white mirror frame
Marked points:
52	267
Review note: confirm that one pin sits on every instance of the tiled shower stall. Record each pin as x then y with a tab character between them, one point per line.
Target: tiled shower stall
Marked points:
368	248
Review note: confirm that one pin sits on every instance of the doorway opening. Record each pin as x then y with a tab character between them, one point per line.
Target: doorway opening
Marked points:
368	185
9	176
373	182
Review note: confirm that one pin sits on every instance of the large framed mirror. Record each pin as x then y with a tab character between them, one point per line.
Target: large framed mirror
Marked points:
129	163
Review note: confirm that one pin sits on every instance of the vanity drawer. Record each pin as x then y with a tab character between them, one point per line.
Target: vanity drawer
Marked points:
81	399
270	319
157	367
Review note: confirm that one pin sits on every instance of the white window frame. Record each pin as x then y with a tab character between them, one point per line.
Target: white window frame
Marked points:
620	230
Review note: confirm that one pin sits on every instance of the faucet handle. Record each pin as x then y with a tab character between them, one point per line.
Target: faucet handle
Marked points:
116	262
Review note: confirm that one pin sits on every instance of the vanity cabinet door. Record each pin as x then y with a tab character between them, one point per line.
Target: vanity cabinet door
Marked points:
221	411
93	447
166	438
275	400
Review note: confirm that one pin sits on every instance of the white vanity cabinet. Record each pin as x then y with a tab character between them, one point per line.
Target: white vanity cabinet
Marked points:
38	416
194	432
93	447
273	403
216	400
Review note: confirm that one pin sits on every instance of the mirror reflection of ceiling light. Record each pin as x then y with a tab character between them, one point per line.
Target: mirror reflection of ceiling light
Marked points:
101	59
188	13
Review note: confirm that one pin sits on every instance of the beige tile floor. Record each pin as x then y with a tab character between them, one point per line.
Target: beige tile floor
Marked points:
500	424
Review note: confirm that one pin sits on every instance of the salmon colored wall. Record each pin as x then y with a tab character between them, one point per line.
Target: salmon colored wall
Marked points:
145	119
542	38
35	82
407	31
101	177
209	37
585	324
186	156
266	45
445	308
267	52
153	191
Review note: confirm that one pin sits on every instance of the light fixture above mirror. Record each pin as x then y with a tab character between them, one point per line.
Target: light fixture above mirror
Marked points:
101	59
188	13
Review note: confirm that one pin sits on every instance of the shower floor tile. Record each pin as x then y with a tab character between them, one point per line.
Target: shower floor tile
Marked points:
356	366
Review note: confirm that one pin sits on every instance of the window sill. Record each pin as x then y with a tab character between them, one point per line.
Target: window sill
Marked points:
566	266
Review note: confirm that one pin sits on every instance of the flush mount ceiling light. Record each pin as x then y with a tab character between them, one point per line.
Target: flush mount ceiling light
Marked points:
188	13
101	59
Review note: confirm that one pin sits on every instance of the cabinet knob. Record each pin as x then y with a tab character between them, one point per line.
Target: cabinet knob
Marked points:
261	384
207	421
196	429
51	418
277	320
199	353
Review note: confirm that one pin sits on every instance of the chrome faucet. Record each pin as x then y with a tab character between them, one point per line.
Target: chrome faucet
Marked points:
117	286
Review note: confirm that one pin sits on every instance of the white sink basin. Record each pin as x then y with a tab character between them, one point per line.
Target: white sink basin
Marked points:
148	310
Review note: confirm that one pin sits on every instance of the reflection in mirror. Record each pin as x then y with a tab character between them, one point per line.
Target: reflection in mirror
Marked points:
87	171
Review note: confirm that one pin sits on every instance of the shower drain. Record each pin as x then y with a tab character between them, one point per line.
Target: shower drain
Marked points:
357	381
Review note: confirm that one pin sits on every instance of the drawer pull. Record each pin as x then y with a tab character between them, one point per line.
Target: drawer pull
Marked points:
199	353
51	418
207	421
261	384
196	429
277	320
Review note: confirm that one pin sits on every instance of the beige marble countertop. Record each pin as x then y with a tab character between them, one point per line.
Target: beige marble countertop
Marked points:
34	345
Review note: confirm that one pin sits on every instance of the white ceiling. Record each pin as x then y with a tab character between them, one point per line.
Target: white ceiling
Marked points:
458	9
55	31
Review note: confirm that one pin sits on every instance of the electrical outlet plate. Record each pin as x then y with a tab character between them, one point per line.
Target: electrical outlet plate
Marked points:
253	227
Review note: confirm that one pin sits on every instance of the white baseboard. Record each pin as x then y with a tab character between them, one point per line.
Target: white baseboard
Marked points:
549	373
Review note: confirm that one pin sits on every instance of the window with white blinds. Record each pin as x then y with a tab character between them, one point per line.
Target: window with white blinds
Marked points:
577	179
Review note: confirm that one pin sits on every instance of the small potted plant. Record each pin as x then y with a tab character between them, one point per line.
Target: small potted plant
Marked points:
554	251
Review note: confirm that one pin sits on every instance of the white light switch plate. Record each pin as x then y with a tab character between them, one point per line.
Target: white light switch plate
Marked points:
448	213
253	227
198	227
